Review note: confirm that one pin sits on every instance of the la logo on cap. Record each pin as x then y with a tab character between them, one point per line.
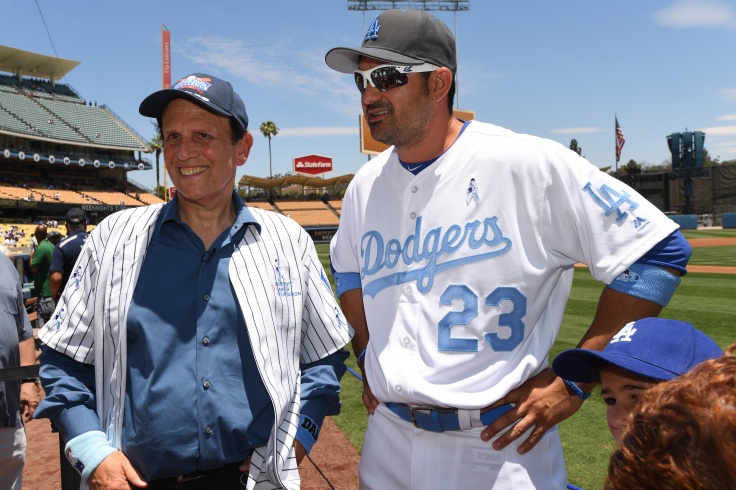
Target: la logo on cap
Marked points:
625	334
373	30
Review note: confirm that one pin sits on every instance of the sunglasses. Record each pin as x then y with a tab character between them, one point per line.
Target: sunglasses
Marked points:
386	77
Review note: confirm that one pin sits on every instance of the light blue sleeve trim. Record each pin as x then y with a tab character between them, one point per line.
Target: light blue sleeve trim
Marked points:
345	281
647	282
308	432
86	451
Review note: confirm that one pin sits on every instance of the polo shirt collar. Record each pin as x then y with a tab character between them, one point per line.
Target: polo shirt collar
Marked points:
243	215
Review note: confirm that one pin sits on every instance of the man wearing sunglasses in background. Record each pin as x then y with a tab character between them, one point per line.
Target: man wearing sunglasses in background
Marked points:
454	261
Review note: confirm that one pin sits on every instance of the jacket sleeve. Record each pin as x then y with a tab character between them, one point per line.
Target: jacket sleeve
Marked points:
324	328
70	329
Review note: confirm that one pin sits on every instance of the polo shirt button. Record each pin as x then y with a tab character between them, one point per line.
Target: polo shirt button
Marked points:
206	297
206	384
413	215
414	189
206	341
208	429
398	389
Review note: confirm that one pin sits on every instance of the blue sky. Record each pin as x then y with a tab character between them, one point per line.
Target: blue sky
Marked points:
557	70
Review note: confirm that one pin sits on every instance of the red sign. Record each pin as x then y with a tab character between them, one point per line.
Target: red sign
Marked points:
172	191
166	56
313	165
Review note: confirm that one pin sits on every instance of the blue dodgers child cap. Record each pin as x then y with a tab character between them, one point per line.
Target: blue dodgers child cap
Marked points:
656	348
206	90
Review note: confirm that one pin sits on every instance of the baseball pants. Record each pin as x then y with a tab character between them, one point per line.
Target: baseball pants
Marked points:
399	456
12	457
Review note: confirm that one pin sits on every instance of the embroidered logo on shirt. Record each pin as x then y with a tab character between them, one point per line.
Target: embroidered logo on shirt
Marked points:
58	318
282	287
472	193
338	316
640	224
625	334
608	203
77	275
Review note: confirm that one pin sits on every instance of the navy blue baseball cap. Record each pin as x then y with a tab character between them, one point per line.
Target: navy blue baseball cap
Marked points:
211	92
655	348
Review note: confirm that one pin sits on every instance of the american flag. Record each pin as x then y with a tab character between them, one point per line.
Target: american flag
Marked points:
619	140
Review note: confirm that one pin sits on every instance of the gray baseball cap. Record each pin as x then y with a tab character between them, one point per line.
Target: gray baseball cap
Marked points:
405	37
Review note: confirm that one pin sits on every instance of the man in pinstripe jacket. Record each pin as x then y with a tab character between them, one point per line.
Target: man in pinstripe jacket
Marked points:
197	344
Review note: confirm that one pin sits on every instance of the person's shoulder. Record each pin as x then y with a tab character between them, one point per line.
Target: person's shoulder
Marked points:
372	169
135	219
503	138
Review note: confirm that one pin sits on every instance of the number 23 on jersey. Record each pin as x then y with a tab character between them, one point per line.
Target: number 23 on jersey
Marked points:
512	319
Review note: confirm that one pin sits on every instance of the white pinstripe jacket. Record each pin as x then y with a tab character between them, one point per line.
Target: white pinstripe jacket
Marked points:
90	320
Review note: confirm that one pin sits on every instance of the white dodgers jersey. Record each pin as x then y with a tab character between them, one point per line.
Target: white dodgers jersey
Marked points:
466	268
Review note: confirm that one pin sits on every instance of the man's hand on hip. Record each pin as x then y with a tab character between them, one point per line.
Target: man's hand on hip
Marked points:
542	401
115	473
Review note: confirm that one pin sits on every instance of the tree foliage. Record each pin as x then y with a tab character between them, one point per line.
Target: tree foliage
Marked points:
574	147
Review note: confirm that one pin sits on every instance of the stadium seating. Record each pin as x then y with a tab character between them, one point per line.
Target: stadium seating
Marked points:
9	122
314	218
93	122
260	205
337	205
30	112
300	205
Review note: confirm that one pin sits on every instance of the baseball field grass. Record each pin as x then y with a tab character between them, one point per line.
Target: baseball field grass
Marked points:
708	301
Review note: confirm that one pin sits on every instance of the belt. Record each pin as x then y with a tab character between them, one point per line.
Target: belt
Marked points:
442	419
195	475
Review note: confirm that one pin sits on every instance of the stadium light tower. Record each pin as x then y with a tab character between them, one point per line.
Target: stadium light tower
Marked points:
453	6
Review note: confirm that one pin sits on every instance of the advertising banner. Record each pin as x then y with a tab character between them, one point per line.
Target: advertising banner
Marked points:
172	191
166	56
313	165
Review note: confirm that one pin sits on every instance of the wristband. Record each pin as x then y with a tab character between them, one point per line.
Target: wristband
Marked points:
86	451
29	380
308	432
576	389
362	355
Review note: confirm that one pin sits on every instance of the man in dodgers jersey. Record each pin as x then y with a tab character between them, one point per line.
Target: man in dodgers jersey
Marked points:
454	261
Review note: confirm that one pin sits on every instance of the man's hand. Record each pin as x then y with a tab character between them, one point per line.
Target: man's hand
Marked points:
542	401
370	401
115	473
30	397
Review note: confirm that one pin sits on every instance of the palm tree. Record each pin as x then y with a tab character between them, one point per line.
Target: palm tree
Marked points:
157	144
269	130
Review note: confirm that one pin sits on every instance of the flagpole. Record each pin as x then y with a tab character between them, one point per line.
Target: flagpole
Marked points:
615	143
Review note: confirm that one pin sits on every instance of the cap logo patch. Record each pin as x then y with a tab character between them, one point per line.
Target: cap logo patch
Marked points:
373	30
625	334
199	84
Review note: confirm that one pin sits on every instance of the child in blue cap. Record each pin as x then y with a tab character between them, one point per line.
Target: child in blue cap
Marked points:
642	354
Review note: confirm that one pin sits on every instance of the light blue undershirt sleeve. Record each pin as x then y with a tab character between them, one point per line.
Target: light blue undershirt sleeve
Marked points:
345	281
320	395
86	451
648	282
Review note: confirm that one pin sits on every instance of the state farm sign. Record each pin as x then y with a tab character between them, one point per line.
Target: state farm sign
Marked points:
313	165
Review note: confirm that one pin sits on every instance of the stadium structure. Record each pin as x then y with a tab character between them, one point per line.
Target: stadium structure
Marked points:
59	151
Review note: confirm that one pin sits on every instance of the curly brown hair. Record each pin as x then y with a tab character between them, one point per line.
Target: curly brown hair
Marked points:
682	435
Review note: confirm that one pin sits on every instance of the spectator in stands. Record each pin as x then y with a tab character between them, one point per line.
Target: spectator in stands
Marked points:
34	243
42	197
681	436
643	354
40	265
65	255
54	237
18	397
